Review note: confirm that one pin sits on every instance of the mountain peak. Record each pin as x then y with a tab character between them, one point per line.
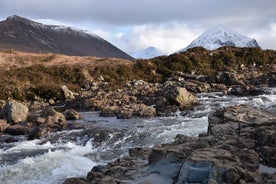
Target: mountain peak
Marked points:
17	18
22	34
147	53
220	36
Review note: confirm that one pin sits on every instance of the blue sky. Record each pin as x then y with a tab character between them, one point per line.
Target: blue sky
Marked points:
168	25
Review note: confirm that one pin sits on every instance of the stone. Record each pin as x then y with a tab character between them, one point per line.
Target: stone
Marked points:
68	94
18	129
181	97
51	102
71	114
75	180
15	112
3	125
54	119
2	104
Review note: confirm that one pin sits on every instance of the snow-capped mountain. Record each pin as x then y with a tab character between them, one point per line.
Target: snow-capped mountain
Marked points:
220	36
29	36
147	53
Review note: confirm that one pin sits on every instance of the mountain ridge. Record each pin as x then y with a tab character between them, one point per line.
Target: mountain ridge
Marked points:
22	34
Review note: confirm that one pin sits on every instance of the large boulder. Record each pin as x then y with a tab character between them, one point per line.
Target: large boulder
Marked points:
15	112
180	96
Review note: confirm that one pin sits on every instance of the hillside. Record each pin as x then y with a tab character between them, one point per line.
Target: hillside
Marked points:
21	34
25	76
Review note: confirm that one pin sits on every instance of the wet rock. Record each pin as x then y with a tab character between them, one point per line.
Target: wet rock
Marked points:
243	90
71	114
139	152
75	181
15	112
18	129
3	125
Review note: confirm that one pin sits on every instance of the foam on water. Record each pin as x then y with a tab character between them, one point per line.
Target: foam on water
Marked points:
51	167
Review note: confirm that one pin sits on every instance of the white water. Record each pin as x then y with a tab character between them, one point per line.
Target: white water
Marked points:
70	154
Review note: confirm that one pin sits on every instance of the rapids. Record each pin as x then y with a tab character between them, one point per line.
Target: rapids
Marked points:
73	153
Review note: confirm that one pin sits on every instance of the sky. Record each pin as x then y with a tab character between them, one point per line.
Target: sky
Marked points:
168	25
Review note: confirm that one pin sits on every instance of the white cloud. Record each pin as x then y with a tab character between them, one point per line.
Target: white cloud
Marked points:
266	37
166	37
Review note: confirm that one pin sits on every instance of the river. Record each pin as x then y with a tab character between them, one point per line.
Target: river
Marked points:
73	153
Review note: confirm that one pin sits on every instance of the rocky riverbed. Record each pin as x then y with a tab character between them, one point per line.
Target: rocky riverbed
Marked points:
238	147
208	142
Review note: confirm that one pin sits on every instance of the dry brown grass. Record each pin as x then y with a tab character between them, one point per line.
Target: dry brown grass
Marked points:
14	59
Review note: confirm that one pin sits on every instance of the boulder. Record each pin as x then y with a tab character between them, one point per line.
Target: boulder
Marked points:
180	96
15	112
54	119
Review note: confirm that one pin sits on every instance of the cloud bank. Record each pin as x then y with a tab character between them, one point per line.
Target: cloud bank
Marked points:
167	25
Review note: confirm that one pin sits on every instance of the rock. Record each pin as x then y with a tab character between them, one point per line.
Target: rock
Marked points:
15	112
227	164
196	86
180	96
144	111
38	133
250	127
51	102
71	114
54	119
18	129
67	93
229	78
110	111
75	181
243	90
2	104
125	114
3	125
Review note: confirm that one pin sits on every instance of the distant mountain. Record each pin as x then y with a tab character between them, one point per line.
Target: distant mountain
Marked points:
147	53
220	36
25	35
